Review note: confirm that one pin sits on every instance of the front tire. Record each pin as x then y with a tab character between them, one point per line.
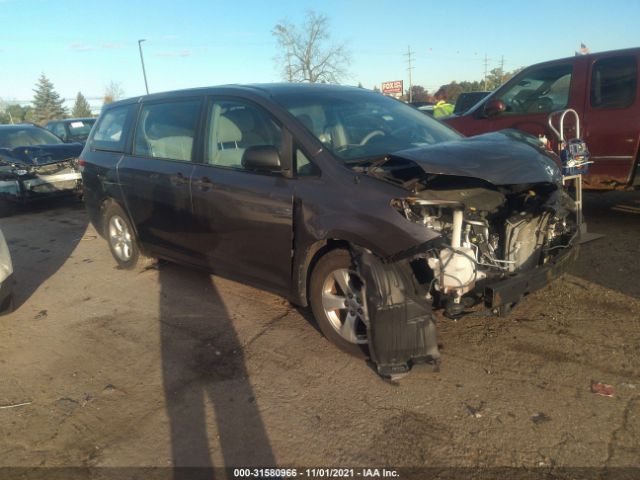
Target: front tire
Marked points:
336	297
121	237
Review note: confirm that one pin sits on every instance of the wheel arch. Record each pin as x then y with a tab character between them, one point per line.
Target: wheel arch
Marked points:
307	262
104	204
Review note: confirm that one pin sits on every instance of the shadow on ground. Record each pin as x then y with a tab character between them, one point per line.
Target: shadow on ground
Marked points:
37	255
206	384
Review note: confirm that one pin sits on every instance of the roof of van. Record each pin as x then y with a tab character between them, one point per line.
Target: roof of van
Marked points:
263	89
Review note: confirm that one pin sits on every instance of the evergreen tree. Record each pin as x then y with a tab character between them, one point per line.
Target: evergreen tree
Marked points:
81	108
47	104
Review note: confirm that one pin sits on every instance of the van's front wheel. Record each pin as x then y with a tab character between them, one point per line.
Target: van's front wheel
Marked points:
337	301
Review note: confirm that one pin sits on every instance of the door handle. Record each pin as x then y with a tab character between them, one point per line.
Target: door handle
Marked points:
204	184
178	180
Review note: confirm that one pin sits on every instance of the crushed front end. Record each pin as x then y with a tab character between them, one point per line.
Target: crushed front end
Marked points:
504	227
497	244
32	173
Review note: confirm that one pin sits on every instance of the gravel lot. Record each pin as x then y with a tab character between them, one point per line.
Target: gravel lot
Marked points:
170	366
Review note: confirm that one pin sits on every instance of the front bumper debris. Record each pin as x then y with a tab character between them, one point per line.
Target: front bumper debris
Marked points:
401	326
400	322
510	290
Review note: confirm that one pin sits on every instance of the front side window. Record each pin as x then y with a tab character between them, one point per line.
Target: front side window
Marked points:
303	166
357	125
167	130
614	82
234	126
109	134
540	91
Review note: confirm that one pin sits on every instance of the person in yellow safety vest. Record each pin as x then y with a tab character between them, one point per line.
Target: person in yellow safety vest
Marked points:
442	109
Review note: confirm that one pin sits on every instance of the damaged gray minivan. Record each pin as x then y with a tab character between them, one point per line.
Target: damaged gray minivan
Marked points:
339	198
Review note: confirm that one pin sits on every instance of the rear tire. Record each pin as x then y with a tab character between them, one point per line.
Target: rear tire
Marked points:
121	237
336	298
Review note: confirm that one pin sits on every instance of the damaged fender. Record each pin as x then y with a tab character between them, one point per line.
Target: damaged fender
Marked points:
400	322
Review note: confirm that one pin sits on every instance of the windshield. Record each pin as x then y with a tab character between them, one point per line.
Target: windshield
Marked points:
357	124
79	129
26	136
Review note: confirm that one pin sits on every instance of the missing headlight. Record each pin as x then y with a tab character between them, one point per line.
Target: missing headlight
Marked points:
436	215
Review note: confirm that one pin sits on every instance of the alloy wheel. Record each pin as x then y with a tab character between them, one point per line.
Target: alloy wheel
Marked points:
120	238
343	304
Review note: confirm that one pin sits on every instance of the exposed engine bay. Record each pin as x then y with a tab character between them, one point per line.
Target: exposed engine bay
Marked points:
496	244
488	232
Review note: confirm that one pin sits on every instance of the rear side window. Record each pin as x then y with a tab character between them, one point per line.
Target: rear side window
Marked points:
110	134
614	82
167	130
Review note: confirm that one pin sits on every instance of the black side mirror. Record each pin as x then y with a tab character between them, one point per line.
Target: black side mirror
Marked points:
264	158
494	107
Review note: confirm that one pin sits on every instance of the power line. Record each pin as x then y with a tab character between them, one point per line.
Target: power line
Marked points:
486	64
409	68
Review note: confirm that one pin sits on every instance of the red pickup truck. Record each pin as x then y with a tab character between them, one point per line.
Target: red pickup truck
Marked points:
602	87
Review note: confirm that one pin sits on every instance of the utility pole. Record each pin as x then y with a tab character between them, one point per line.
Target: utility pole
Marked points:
144	73
410	67
501	69
486	64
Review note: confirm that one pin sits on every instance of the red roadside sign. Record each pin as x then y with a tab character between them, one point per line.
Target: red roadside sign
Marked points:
394	86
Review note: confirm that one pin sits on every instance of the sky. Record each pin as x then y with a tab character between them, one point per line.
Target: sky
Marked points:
82	46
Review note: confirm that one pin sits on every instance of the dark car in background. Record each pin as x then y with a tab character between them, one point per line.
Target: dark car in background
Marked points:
358	205
466	100
72	129
35	164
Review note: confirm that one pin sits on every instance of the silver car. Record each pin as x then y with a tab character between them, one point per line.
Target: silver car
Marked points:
6	277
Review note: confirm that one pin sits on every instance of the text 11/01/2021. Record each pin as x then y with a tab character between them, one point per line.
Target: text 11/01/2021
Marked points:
314	473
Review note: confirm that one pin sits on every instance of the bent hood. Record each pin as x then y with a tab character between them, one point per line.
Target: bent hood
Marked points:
41	154
507	157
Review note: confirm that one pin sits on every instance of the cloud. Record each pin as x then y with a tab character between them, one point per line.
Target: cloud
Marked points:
181	53
81	47
112	46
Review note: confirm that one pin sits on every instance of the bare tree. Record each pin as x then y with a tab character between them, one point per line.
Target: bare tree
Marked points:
306	52
112	92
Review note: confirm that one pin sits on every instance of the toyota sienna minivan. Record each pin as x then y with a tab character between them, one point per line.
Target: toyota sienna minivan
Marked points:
334	197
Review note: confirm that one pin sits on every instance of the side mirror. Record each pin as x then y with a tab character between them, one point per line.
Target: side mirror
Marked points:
494	107
264	158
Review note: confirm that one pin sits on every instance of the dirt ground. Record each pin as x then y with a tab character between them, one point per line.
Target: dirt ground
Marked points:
170	366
